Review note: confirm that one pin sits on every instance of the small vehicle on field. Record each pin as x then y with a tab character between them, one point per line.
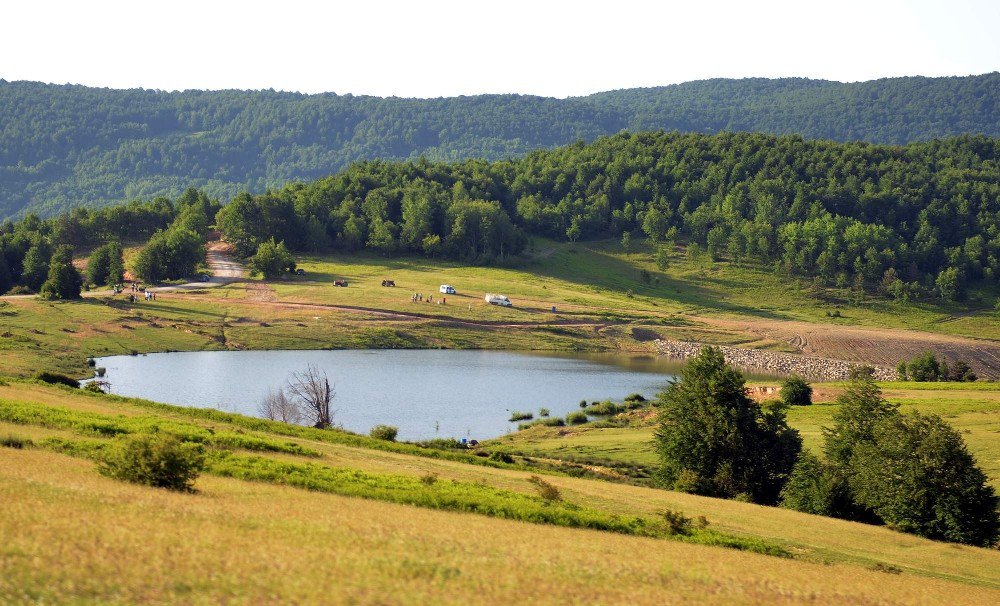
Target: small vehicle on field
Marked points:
447	289
300	272
495	299
389	283
340	282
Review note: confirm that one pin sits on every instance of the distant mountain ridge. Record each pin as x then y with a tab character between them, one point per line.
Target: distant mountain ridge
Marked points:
68	145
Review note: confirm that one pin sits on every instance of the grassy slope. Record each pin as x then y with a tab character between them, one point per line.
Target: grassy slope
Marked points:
126	543
973	409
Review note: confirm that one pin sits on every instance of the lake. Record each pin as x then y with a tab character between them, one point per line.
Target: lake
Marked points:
425	393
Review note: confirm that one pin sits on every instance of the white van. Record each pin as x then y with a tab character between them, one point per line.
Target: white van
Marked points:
446	289
501	300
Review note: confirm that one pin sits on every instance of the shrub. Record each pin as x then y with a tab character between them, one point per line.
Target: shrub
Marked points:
677	522
15	442
443	444
520	416
429	479
384	432
160	460
55	378
543	412
545	422
635	397
604	409
94	386
796	392
501	457
546	490
583	403
576	418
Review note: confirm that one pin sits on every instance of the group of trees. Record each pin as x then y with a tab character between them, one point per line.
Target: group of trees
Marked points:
910	471
28	246
177	251
926	367
65	146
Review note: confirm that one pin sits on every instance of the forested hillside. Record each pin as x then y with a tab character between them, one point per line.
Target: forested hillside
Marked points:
921	220
68	146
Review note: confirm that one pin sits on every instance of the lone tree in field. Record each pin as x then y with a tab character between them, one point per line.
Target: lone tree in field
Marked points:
272	260
795	391
311	392
64	281
714	440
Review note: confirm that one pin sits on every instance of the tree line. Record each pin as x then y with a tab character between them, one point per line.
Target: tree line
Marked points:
908	221
68	146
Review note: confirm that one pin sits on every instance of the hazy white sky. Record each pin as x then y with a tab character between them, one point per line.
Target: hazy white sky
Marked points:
431	48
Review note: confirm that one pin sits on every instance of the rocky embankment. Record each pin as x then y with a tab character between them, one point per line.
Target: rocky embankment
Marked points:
774	362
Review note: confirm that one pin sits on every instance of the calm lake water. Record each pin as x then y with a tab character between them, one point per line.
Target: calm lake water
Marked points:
426	393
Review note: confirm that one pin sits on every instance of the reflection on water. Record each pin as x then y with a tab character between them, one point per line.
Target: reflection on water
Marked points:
426	393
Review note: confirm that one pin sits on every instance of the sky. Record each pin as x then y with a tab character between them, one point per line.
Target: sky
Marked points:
435	48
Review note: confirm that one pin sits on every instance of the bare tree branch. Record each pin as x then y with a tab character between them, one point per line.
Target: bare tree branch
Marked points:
311	391
277	407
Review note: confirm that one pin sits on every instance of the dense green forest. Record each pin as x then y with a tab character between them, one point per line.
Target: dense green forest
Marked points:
918	220
68	146
909	221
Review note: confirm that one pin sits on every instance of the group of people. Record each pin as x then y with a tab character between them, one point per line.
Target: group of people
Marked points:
417	297
136	289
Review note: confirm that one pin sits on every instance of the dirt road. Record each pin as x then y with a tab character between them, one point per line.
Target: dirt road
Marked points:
224	267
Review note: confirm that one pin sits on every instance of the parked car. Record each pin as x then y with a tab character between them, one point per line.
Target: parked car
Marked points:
447	289
495	299
300	272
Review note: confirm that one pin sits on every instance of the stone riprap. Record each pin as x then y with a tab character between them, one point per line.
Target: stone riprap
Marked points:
774	362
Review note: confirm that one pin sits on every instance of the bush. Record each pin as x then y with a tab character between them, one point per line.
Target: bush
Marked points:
546	490
635	397
796	392
677	522
520	416
543	412
545	422
384	432
159	460
442	444
576	418
16	442
604	409
501	457
56	379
